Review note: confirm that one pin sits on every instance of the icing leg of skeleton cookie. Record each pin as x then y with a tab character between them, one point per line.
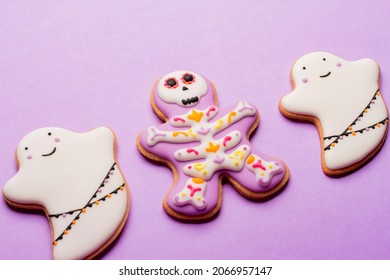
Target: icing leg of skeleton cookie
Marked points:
261	173
193	196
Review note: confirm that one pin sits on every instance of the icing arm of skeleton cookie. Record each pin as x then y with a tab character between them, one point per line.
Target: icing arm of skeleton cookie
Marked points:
194	117
155	136
243	109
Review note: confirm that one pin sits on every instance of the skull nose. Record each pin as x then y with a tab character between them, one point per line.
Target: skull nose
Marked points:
185	88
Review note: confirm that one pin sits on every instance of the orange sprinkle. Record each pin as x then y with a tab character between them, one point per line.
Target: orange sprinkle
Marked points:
84	210
121	188
197	180
55	243
365	111
378	125
353	133
350	128
250	159
65	232
109	195
332	144
73	222
97	202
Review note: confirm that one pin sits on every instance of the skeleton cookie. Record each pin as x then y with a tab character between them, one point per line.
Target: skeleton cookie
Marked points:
74	178
343	100
202	144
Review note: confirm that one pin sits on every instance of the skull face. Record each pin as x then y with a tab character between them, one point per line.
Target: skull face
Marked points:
183	88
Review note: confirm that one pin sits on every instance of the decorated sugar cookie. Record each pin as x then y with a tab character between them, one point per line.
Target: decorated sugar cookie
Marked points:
344	101
202	144
75	179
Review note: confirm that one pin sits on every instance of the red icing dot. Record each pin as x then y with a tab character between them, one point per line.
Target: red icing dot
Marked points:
244	148
189	167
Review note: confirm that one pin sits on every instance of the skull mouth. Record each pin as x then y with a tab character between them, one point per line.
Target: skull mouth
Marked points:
190	100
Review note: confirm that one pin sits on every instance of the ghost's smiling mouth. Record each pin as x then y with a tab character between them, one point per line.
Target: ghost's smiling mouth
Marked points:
190	100
326	75
49	154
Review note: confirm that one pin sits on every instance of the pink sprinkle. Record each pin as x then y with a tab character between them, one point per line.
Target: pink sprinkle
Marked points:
304	80
106	181
111	172
64	215
57	139
100	190
29	156
192	151
338	64
179	119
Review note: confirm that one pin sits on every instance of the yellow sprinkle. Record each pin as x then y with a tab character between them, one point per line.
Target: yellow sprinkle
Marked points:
219	124
183	194
270	166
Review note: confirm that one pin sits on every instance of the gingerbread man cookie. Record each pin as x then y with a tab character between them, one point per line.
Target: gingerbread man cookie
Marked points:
342	98
75	179
202	144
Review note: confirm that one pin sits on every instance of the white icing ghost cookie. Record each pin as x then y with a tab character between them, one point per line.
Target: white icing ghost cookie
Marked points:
75	179
342	98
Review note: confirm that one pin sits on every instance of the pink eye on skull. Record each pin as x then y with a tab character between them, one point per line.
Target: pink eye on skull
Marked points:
188	78
171	83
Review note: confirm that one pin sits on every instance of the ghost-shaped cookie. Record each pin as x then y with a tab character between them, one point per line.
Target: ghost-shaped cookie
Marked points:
342	98
75	179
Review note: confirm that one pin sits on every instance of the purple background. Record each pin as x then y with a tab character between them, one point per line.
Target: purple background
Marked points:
84	64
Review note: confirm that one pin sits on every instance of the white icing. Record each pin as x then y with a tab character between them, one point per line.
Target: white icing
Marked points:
336	101
182	90
192	193
66	180
264	170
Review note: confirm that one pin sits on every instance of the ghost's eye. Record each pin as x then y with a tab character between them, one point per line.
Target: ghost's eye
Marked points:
49	134
171	83
324	59
26	148
188	78
304	68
